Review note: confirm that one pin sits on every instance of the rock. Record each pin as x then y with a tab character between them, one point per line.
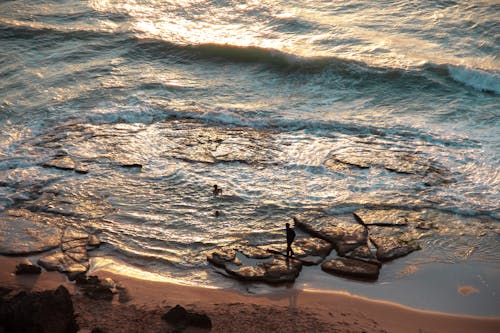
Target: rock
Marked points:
62	263
364	253
223	257
23	232
4	292
344	236
376	154
253	252
25	268
274	271
351	268
93	241
309	250
44	312
61	162
392	248
181	318
131	165
384	217
94	288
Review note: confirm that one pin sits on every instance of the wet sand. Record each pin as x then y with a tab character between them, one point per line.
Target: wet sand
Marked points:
288	310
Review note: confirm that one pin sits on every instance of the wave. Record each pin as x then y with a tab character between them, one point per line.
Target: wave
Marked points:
156	48
476	78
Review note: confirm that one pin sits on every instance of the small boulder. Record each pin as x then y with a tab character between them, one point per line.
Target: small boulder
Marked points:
392	248
27	268
181	318
351	268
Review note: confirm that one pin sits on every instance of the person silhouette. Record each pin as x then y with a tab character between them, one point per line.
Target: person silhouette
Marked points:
290	237
217	190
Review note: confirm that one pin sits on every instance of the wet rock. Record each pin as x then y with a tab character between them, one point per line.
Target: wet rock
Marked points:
181	318
426	226
392	248
385	217
364	253
274	271
131	165
27	268
61	162
309	250
253	252
344	236
61	262
47	312
24	232
223	257
351	268
93	242
94	288
377	154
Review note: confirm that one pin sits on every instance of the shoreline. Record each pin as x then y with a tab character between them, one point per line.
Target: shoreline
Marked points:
288	310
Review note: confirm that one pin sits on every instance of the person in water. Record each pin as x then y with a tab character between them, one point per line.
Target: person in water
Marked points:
290	237
217	190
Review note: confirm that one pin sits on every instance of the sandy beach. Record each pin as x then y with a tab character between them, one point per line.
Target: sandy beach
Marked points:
288	310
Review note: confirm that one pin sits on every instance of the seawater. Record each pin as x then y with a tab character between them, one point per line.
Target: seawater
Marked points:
257	97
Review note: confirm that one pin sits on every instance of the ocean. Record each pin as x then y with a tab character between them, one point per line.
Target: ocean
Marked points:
288	106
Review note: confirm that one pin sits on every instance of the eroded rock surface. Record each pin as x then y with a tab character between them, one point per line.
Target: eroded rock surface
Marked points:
344	236
273	271
23	232
392	248
351	268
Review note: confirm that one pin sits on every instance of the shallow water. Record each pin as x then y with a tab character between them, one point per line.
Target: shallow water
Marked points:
288	106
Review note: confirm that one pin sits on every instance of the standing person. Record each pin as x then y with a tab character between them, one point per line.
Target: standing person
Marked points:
290	236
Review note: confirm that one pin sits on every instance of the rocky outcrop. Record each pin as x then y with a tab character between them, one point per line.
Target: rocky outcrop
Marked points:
351	268
65	162
94	288
41	312
344	236
274	270
27	268
223	257
23	232
377	154
180	319
392	248
278	270
73	257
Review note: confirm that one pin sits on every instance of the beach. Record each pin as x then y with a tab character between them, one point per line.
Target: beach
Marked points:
230	311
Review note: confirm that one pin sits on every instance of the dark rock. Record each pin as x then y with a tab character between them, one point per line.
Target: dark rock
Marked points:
344	236
24	232
61	162
392	248
63	263
98	292
93	241
274	271
223	257
351	268
97	330
94	288
24	268
4	291
41	312
180	318
384	217
131	165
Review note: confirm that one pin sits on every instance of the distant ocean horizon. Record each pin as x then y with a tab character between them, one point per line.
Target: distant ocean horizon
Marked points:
288	106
